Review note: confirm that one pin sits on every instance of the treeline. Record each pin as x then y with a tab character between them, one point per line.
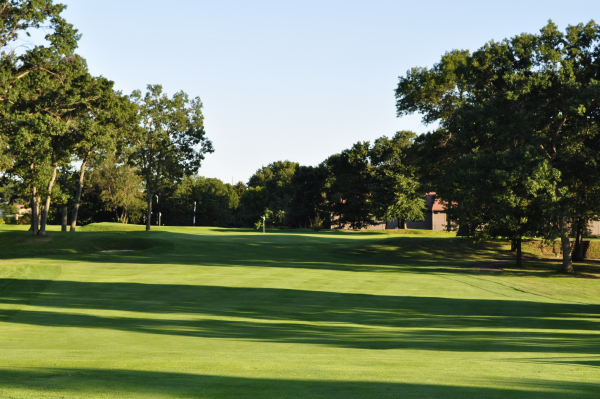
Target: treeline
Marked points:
356	188
58	123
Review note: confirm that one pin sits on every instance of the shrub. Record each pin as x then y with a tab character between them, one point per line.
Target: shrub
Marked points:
593	251
317	223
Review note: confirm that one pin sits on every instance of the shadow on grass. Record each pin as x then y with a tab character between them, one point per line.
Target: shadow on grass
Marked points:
314	317
367	253
129	383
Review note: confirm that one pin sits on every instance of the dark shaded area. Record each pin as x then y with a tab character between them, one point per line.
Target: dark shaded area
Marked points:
316	317
332	252
113	383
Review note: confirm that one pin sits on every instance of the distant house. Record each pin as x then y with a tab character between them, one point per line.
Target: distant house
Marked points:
594	228
435	218
22	209
435	215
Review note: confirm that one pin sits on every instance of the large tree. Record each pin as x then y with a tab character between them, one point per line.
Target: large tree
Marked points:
349	188
34	86
171	143
309	200
396	192
269	188
120	188
104	130
48	113
516	118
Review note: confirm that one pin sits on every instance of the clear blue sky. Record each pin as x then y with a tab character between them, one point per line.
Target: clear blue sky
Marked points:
297	80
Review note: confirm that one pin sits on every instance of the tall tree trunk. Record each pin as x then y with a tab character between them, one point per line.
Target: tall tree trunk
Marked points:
48	198
567	265
577	254
149	212
518	242
64	217
64	210
35	222
79	191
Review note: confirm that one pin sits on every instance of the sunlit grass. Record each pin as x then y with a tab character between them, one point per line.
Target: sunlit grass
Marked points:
234	313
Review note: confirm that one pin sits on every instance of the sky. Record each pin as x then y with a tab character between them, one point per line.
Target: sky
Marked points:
293	80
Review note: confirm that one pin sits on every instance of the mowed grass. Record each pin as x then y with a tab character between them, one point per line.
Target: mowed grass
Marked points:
233	313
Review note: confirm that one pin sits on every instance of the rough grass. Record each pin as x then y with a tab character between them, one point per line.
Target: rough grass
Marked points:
543	249
233	313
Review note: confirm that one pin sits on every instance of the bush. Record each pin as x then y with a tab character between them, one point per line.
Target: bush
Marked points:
317	223
24	219
593	251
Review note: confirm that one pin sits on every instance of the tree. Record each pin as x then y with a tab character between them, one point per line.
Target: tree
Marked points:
276	179
516	117
171	143
47	118
253	203
309	199
349	189
120	189
107	127
29	114
395	190
214	203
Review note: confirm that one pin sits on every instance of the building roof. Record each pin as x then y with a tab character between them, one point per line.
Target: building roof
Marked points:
433	203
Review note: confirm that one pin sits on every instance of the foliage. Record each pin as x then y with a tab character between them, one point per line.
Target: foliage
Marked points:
276	181
171	143
517	148
42	90
395	190
309	199
317	223
120	189
349	191
8	209
216	203
375	182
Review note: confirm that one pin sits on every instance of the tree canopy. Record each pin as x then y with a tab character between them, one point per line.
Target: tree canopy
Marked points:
171	142
516	117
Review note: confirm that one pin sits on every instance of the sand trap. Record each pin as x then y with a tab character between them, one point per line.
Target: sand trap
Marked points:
118	250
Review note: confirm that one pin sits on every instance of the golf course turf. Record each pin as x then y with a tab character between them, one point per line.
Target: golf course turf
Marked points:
179	312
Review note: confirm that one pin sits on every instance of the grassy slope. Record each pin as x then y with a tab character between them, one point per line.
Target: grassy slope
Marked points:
204	313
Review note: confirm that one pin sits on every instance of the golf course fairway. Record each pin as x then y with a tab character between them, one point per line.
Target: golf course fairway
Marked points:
179	312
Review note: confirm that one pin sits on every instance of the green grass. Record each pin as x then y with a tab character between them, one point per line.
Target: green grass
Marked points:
232	313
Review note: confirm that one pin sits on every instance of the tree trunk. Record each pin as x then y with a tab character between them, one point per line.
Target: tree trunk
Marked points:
64	208
577	254
519	252
567	265
79	191
64	217
149	212
48	199
34	212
